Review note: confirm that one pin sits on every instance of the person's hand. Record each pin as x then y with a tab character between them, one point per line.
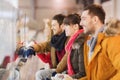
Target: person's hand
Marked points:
26	52
67	77
58	77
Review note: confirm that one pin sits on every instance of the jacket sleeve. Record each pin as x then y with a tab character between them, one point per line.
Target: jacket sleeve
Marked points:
41	47
80	41
83	78
63	64
77	75
114	55
81	72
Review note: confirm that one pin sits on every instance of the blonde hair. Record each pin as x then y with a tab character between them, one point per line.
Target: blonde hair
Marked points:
112	27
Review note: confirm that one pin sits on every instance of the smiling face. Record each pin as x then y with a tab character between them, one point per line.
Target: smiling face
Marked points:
87	22
56	27
69	30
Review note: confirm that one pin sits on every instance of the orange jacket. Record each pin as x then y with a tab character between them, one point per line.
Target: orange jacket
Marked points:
105	61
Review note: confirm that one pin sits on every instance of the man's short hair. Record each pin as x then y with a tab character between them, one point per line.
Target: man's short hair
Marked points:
96	10
59	18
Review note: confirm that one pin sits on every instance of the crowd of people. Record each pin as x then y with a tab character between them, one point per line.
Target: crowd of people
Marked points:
82	47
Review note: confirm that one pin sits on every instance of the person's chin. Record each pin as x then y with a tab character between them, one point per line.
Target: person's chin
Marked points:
84	31
67	35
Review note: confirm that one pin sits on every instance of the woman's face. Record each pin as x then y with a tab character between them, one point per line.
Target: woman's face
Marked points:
69	30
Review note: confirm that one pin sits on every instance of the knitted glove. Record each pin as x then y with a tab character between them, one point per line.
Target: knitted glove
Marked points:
47	79
21	51
54	73
29	52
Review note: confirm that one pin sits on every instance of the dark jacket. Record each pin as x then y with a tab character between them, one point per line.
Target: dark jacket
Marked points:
77	59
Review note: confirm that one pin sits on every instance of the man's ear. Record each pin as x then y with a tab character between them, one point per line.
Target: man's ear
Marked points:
95	19
62	26
76	27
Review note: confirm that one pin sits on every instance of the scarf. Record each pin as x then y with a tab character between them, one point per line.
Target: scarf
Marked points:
58	41
92	42
68	48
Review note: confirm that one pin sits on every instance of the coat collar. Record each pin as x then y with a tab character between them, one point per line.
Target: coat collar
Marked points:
98	46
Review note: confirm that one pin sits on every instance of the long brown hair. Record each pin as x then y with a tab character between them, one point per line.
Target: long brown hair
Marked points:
72	19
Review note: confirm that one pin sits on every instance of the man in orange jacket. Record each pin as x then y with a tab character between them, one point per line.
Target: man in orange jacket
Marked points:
100	54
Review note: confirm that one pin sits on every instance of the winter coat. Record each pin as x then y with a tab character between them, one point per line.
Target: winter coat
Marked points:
77	58
104	63
46	48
